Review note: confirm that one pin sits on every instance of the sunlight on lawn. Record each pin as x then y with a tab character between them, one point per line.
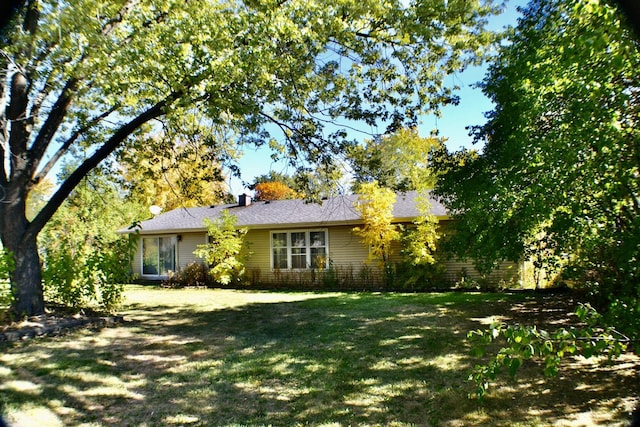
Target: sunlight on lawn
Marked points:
220	357
181	419
212	298
25	387
34	416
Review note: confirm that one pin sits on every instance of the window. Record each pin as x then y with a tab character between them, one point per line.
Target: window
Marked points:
292	250
158	255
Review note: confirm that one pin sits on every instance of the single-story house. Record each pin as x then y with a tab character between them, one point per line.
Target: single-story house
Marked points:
284	236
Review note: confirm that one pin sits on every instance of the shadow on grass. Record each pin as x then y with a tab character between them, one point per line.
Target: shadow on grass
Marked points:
350	359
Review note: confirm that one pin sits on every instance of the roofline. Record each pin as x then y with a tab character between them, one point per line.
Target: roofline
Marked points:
269	226
161	231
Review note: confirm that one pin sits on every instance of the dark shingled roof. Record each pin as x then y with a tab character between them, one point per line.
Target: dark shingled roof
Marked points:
281	213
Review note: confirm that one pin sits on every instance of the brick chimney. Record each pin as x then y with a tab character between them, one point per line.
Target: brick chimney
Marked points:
244	200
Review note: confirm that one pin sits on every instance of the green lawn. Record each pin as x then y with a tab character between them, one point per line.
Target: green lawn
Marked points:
216	357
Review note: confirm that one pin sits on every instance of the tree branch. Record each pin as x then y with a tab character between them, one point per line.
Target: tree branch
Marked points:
51	125
119	17
69	142
93	161
38	100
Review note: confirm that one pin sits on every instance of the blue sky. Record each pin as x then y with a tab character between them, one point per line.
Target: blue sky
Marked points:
452	123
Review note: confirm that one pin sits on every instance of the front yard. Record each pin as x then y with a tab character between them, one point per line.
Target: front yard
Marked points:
217	357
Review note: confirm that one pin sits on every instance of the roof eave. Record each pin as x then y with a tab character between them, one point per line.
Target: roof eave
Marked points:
163	231
309	224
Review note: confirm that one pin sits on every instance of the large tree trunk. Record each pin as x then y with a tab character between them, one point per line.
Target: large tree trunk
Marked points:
27	280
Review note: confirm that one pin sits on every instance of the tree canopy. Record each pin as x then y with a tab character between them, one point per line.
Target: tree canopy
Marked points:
85	77
182	173
557	180
401	160
274	190
375	205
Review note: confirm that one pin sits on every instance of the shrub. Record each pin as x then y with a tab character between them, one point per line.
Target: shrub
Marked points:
329	277
67	279
419	277
6	296
194	274
85	278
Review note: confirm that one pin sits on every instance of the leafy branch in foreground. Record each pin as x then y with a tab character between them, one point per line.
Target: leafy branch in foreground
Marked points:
528	342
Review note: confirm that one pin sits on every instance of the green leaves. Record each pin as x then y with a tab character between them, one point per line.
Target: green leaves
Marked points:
85	263
295	64
400	161
557	183
7	264
521	343
225	252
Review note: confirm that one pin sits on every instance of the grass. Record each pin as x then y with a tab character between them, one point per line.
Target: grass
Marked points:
216	357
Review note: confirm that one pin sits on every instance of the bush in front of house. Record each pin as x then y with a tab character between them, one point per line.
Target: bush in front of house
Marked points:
194	274
225	252
408	276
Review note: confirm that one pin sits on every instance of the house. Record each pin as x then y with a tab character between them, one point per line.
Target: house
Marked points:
284	236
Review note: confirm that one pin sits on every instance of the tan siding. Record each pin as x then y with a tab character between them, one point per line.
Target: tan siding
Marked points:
136	265
345	248
258	244
187	245
346	253
507	272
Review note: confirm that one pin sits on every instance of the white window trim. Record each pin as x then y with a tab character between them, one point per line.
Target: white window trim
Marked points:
174	238
308	247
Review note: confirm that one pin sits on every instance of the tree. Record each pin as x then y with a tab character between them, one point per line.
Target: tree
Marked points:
86	77
401	160
7	11
375	205
306	182
182	174
631	9
557	180
273	176
225	252
274	190
38	197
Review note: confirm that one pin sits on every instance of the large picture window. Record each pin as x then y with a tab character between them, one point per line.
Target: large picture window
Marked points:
295	250
158	255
